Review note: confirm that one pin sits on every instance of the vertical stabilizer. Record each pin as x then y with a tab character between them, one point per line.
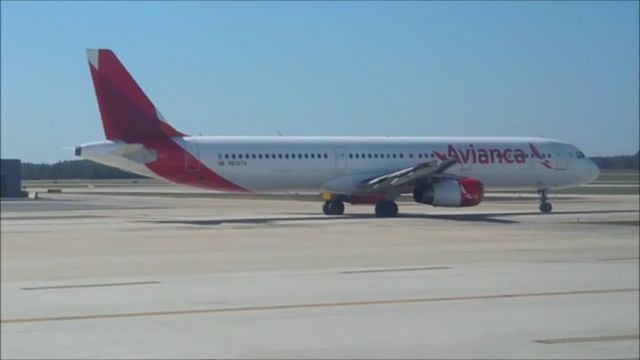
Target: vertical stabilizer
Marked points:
127	113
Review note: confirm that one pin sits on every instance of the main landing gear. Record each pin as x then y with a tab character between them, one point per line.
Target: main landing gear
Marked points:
545	205
384	208
333	207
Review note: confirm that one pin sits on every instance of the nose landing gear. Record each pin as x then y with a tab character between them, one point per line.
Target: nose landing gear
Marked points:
545	205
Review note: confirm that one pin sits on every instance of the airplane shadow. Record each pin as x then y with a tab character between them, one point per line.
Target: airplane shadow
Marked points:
475	217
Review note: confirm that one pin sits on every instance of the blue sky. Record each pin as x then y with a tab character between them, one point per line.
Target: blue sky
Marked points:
567	70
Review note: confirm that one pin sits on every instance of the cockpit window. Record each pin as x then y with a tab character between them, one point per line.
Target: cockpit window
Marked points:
580	154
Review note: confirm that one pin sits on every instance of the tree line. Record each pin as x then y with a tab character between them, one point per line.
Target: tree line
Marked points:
84	169
621	162
73	169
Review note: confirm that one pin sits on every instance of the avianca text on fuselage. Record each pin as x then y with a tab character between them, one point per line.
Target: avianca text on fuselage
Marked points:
473	155
140	140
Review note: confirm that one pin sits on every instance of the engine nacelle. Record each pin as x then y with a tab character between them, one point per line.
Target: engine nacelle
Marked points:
450	193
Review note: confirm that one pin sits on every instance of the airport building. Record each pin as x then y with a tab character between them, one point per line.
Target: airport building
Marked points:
10	178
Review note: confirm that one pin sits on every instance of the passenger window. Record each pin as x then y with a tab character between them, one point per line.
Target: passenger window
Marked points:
253	156
306	156
369	155
286	156
394	155
325	156
401	156
420	156
313	156
233	156
226	156
259	156
279	156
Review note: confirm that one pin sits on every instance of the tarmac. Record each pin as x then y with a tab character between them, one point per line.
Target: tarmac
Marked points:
91	275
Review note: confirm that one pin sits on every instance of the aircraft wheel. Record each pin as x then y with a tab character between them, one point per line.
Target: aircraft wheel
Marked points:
545	208
325	208
333	207
386	208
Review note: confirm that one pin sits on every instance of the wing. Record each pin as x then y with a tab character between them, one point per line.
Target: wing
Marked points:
408	176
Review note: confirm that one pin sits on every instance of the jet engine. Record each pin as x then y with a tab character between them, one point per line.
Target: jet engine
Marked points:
450	193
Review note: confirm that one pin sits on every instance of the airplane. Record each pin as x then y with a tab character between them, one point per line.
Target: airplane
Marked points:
437	171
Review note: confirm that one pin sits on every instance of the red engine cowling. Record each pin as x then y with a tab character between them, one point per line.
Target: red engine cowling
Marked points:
450	193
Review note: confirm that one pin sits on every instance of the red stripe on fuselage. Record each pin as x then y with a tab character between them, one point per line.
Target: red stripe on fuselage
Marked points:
171	164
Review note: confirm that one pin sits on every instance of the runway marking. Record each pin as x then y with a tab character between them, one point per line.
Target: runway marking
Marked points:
53	217
589	339
395	270
90	285
611	222
620	259
310	306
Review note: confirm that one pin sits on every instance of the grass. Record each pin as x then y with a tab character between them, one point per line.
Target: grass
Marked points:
619	176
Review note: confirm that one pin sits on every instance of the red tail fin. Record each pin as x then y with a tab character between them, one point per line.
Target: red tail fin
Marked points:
127	113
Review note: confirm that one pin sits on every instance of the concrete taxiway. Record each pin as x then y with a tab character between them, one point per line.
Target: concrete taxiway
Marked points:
111	276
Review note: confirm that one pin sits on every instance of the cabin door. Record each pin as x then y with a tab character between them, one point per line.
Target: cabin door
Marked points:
560	161
341	157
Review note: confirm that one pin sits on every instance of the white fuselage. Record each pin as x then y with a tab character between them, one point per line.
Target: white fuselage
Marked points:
338	164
